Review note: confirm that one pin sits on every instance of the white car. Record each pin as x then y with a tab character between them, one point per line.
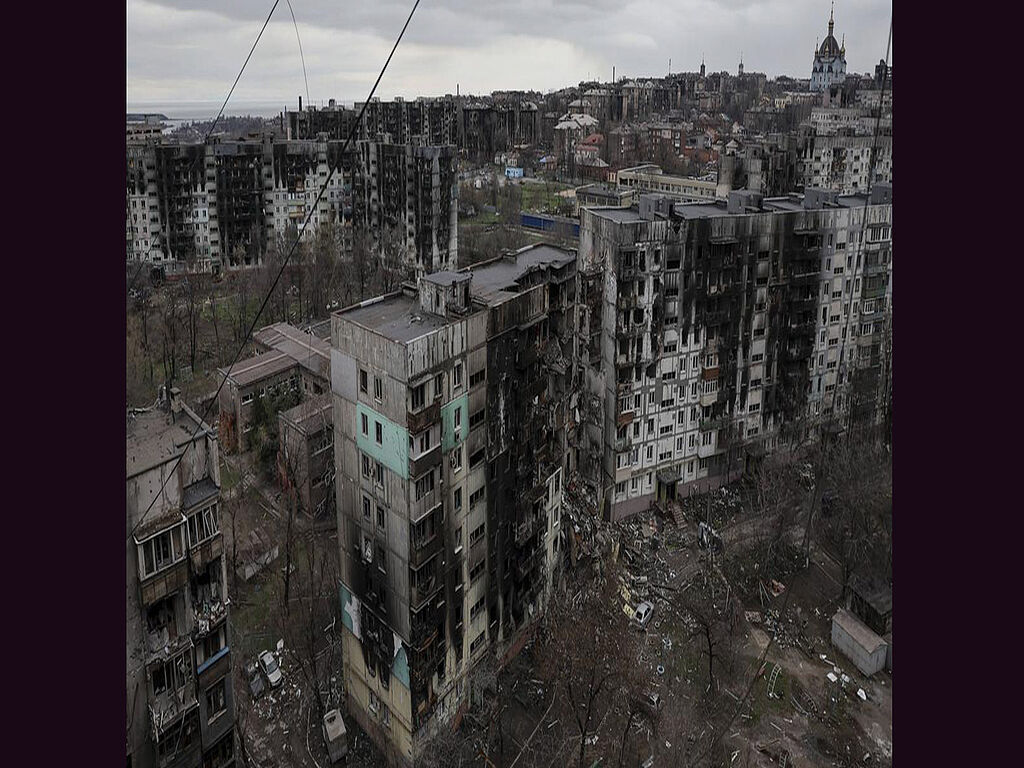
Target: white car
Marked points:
270	668
643	614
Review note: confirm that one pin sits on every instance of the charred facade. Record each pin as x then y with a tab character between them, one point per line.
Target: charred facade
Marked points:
717	331
452	417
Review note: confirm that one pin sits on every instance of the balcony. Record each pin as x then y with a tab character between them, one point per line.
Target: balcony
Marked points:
166	642
527	357
708	398
418	508
421	592
874	292
168	707
420	464
628	301
527	528
214	667
205	553
805	278
624	418
207	615
423	418
164	583
424	549
526	564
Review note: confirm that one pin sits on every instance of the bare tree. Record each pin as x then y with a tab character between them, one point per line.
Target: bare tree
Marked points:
192	295
364	264
591	653
393	258
170	328
856	519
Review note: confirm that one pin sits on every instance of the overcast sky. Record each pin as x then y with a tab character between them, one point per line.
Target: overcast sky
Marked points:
191	50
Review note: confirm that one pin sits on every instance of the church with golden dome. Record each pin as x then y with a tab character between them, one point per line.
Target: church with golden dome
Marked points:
829	60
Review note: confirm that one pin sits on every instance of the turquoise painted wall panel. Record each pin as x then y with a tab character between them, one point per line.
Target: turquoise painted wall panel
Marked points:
393	453
448	410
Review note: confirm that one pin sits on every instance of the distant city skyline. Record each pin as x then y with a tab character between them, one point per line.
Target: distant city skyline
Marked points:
189	51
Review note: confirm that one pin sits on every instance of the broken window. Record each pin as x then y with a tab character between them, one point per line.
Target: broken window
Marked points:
418	397
363	381
202	525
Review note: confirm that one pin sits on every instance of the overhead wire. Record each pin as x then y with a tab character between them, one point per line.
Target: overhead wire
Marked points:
284	264
227	98
302	57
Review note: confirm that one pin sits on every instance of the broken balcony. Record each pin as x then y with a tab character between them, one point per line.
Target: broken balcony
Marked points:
423	418
426	460
423	549
168	707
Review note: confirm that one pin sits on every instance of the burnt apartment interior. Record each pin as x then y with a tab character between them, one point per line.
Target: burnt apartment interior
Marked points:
239	172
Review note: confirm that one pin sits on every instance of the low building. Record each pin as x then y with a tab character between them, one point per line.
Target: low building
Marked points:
179	695
605	196
858	643
871	602
306	460
650	178
288	361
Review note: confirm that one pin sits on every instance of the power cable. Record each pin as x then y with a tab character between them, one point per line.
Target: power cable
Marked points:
284	264
302	58
220	112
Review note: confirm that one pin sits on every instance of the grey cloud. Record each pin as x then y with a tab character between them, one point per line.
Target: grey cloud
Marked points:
483	44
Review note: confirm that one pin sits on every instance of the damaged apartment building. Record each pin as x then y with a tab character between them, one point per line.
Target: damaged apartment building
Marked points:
179	698
714	330
222	205
411	189
452	413
208	207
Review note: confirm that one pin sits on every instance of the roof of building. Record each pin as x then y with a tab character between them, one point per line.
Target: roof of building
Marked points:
446	278
156	437
856	629
311	414
306	349
396	316
497	279
261	366
875	593
199	492
619	215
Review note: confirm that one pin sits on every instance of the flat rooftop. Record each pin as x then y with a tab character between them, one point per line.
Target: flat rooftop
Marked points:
312	414
619	215
499	278
397	317
154	437
310	351
258	367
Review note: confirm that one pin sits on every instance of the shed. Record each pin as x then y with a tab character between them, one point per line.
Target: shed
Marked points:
858	643
871	601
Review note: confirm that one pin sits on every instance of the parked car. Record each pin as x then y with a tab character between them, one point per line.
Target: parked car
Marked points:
643	614
334	735
271	669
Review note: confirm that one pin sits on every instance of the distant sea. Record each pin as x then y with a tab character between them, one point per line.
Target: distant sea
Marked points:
179	112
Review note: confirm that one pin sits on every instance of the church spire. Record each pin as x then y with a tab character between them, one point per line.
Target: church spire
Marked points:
831	18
